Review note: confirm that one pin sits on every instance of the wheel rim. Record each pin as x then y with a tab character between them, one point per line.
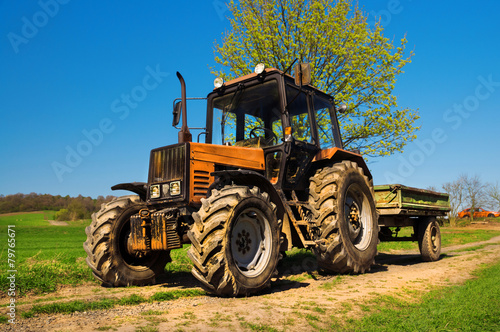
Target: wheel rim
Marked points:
434	238
251	242
358	215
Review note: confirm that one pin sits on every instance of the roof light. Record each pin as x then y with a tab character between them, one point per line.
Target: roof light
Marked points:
218	82
259	69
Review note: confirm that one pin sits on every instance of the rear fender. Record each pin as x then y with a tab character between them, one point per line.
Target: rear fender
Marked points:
336	155
140	188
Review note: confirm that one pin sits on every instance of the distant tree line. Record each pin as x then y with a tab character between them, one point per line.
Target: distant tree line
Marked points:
68	208
469	191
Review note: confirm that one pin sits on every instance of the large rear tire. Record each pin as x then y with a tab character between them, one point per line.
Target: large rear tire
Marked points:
342	202
108	253
429	239
235	241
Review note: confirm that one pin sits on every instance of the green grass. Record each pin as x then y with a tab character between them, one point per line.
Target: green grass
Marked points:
474	306
457	236
258	327
45	255
134	299
175	294
330	284
450	236
473	248
180	262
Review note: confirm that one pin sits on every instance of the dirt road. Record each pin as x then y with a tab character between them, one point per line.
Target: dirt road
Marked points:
296	302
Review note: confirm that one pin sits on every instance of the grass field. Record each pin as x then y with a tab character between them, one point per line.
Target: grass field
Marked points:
474	306
47	256
450	236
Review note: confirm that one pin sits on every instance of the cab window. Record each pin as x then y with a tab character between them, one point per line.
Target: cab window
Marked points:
249	116
323	110
297	108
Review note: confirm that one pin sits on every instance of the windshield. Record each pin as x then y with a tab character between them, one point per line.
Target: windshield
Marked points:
249	116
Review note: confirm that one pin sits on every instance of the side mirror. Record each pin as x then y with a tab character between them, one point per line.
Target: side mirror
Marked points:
177	113
342	108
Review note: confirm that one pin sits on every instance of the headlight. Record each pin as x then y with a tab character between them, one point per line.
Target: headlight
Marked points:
218	82
259	69
175	188
155	191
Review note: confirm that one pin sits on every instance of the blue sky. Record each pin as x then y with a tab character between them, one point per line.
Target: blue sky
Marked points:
86	88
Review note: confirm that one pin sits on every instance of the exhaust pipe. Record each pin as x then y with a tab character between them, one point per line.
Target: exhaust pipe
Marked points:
184	134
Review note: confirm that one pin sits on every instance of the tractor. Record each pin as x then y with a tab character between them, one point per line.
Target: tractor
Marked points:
272	174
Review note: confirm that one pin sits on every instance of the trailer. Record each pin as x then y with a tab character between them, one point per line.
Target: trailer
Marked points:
402	206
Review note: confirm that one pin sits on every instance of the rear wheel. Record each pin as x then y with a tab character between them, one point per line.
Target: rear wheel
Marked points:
429	239
235	241
109	254
341	197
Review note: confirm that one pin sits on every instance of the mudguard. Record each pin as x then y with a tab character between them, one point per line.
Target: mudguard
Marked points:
140	188
337	155
248	178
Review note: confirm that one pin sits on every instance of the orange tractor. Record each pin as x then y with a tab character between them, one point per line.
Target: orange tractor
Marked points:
272	174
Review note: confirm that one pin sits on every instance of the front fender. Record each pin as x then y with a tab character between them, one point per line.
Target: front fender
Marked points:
140	188
248	178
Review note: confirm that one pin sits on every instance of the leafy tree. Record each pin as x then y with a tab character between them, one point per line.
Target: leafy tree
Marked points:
69	208
62	214
350	60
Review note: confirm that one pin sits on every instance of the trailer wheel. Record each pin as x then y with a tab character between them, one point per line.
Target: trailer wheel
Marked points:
341	198
108	253
429	239
235	241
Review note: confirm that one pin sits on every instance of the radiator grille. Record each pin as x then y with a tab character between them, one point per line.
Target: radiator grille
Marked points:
168	164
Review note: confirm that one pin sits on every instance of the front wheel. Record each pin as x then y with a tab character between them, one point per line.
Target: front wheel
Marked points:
235	241
108	251
429	239
341	199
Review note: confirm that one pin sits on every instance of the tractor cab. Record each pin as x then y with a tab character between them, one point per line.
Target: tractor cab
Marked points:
270	110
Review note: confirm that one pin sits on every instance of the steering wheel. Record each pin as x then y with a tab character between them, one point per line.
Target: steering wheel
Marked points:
272	136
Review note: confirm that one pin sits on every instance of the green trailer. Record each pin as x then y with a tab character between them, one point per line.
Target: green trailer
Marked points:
401	206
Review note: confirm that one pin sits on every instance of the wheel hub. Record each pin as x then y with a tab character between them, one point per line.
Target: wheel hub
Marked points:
358	218
251	242
354	221
243	241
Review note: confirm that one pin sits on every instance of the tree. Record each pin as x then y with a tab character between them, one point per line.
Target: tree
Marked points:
474	191
493	195
456	192
350	60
